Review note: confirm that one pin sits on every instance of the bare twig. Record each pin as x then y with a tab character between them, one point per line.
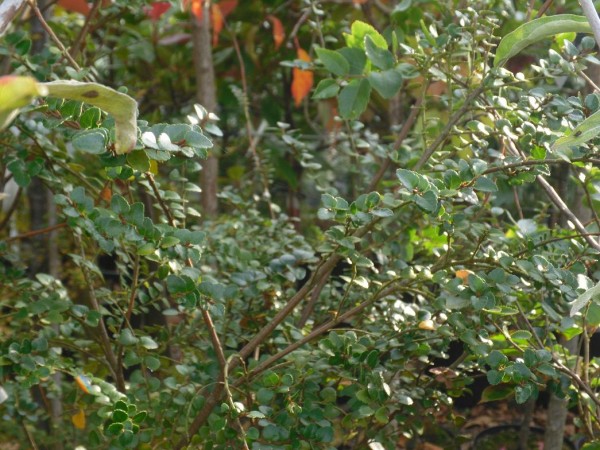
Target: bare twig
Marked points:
410	121
76	47
53	36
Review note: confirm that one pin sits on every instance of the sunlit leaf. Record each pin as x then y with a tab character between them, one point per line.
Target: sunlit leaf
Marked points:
535	31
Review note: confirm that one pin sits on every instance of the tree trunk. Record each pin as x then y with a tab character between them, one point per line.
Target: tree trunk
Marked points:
206	95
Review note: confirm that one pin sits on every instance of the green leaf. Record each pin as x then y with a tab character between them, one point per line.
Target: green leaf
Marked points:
380	57
138	160
584	299
356	59
387	83
353	98
495	359
148	343
90	118
522	394
121	106
119	415
494	377
428	201
582	133
91	141
536	30
127	338
197	140
333	61
484	184
359	31
152	363
326	88
498	392
118	204
114	429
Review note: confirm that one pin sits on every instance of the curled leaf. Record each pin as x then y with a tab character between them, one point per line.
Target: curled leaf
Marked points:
536	30
302	80
121	106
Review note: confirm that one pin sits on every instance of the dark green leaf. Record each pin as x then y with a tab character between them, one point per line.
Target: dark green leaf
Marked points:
354	98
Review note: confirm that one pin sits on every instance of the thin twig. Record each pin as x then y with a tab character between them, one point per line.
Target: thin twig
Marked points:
451	123
33	233
410	121
76	47
53	36
543	8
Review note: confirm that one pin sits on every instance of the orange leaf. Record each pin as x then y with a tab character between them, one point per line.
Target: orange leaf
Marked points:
227	6
218	13
278	31
196	7
463	274
79	420
217	23
302	80
83	382
106	193
359	2
78	6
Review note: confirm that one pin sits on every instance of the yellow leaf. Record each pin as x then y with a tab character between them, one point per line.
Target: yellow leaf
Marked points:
426	325
79	419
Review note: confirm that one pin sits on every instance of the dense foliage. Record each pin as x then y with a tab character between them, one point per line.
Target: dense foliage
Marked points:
415	201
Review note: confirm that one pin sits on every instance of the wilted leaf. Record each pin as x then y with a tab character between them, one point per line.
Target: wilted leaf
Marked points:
83	382
302	80
427	325
121	106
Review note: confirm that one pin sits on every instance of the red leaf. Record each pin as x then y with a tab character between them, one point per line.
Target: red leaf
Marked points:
278	31
157	9
78	6
302	80
227	6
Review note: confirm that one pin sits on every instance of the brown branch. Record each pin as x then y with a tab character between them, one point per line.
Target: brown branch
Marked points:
543	8
410	121
448	128
53	36
76	47
33	233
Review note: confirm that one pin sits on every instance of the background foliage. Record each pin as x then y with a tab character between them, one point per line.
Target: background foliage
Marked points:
387	195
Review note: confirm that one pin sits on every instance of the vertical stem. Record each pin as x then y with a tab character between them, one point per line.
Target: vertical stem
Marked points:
206	94
592	16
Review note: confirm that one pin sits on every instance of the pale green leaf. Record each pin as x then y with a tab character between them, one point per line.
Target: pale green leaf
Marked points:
535	31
